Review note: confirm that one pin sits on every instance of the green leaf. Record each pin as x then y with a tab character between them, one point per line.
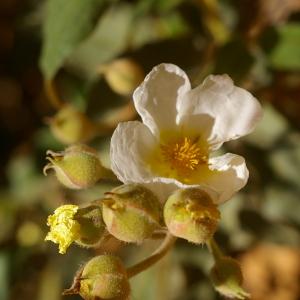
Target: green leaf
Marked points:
107	41
67	24
286	54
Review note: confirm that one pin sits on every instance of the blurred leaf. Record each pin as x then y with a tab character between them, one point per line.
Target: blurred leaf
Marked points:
285	161
107	41
263	229
144	7
281	203
286	54
4	275
166	5
7	216
26	182
150	29
269	129
67	24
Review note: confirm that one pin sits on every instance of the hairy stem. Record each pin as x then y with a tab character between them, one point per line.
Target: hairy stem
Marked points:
155	257
214	249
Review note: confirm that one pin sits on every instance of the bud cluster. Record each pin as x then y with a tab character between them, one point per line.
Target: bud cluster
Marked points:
131	213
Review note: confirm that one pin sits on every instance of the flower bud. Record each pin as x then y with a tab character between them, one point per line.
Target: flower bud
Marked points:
131	213
104	277
70	223
92	227
227	278
123	75
191	214
77	167
71	126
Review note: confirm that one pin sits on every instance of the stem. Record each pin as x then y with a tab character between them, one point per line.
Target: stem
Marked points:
51	92
214	249
155	257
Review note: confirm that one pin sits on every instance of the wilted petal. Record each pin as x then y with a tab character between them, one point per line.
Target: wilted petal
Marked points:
155	99
219	110
130	145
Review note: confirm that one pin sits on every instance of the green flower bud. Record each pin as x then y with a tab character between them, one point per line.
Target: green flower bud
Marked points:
71	126
92	227
131	213
77	167
104	277
227	278
191	214
123	75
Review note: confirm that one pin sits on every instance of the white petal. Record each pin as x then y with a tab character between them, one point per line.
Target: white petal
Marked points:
219	110
155	99
131	143
163	187
229	174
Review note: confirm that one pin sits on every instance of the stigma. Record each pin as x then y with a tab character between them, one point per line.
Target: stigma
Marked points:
184	155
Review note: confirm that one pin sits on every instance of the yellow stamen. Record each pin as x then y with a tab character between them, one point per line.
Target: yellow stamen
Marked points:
184	155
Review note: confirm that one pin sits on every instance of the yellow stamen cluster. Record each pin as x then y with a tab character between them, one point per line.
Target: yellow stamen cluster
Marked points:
202	212
184	155
63	228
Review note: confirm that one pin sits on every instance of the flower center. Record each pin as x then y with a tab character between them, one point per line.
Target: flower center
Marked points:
184	155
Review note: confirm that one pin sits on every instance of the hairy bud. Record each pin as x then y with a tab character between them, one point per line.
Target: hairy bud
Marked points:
71	126
104	277
227	278
123	75
92	227
77	167
191	214
131	213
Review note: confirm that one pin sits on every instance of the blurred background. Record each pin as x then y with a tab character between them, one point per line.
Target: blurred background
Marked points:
57	51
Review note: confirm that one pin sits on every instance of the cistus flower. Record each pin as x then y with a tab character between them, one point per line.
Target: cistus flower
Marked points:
172	149
63	228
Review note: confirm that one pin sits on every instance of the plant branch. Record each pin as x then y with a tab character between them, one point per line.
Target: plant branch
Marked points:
214	249
52	95
155	257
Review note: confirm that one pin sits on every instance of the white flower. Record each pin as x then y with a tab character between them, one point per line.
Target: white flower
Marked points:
181	126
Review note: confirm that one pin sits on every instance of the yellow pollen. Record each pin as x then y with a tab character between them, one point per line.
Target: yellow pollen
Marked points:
184	155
